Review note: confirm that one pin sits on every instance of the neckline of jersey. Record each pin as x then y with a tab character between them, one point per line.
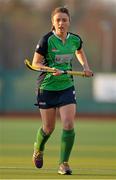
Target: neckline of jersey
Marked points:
68	34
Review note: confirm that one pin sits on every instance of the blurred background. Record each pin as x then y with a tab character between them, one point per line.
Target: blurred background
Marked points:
23	22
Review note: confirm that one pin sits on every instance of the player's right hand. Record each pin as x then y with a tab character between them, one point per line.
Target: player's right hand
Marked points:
57	73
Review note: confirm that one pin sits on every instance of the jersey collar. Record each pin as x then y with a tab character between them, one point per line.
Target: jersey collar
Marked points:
68	34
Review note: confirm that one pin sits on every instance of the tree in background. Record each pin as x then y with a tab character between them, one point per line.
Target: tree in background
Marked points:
23	22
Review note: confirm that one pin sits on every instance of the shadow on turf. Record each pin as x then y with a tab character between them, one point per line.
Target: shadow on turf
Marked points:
85	174
52	172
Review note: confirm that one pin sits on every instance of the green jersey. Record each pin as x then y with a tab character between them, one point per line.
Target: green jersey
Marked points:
57	55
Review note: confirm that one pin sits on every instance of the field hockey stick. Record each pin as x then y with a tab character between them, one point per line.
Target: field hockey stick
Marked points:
51	70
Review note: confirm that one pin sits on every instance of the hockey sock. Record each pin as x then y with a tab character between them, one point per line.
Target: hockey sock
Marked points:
67	141
42	138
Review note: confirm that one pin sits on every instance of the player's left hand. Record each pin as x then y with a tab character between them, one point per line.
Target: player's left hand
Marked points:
88	73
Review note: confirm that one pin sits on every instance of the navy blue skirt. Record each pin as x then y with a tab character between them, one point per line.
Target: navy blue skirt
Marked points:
53	99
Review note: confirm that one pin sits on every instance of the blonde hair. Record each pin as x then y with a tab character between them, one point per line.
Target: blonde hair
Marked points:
59	10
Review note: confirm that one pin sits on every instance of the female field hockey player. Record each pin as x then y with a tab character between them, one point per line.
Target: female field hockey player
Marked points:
57	49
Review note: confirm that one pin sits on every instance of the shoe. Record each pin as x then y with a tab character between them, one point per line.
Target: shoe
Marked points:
64	169
37	157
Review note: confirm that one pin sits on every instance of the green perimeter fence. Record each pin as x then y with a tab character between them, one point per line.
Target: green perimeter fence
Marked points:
17	94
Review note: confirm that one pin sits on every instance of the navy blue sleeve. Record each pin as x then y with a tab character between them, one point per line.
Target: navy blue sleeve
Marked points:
42	46
81	42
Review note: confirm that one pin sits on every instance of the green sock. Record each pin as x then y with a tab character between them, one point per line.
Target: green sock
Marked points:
42	138
67	142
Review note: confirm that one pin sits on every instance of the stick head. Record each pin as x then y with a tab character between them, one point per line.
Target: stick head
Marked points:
27	63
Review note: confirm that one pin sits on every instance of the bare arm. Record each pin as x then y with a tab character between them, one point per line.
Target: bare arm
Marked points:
37	60
83	61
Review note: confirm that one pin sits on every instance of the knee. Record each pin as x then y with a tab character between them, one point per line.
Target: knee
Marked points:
48	129
67	125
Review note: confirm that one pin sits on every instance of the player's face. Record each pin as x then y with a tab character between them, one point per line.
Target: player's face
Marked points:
61	22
